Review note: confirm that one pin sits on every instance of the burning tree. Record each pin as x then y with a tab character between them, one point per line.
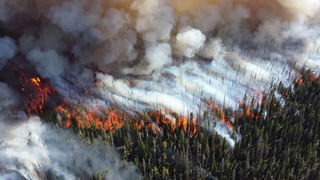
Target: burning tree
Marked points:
279	130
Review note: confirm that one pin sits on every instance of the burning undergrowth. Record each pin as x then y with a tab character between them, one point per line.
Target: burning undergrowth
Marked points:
36	93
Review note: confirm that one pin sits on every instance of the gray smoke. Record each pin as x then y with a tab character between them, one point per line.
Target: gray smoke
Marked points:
48	63
7	50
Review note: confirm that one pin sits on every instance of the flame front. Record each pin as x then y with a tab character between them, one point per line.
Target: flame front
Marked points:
220	113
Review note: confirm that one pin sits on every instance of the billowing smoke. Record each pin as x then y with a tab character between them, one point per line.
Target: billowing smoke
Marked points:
36	151
161	54
31	149
189	42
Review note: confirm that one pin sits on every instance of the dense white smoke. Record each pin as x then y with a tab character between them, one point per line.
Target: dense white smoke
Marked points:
162	53
155	20
189	42
31	149
158	56
34	150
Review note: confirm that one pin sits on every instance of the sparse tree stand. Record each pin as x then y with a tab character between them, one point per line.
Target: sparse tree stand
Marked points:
280	140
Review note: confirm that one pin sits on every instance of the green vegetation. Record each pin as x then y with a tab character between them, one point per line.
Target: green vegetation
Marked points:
280	140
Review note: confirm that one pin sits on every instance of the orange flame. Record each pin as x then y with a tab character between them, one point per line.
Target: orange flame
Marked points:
35	92
67	115
248	112
99	118
153	128
68	124
230	125
114	121
193	128
35	81
184	124
220	113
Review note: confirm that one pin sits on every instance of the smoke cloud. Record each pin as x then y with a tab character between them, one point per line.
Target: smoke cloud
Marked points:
155	19
189	42
146	54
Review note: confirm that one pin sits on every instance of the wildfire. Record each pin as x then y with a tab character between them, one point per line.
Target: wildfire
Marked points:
66	113
248	112
110	120
193	128
100	119
220	113
36	93
153	128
